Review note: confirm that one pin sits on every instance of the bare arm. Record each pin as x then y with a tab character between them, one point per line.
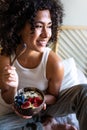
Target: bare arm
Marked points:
55	73
8	80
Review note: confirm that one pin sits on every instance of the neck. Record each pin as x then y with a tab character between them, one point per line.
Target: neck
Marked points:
30	59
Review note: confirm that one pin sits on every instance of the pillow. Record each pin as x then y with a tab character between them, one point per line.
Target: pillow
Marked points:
70	74
82	77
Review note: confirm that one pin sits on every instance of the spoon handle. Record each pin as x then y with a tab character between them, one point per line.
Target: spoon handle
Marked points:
20	52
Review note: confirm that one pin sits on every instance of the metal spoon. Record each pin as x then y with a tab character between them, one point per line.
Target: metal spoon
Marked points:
21	49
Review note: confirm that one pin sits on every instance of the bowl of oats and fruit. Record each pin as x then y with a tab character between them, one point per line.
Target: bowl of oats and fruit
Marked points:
29	101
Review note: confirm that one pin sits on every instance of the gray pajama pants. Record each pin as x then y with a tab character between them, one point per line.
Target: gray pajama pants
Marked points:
71	100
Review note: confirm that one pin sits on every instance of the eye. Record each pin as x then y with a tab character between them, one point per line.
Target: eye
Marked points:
38	26
49	26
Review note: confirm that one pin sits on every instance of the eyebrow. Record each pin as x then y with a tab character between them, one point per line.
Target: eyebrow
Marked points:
42	22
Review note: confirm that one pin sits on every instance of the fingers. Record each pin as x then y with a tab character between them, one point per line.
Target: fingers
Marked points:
44	107
9	71
22	116
9	76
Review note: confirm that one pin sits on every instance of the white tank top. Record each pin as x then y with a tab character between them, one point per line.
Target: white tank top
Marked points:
34	77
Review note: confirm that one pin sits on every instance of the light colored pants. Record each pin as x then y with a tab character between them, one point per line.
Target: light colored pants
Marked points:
71	100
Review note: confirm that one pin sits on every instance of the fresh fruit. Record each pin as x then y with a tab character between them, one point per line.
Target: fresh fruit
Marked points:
30	99
25	105
28	102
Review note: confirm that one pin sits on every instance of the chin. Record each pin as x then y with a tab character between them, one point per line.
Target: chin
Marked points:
41	49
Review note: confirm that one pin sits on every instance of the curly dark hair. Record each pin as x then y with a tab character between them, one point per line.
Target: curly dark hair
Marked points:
14	14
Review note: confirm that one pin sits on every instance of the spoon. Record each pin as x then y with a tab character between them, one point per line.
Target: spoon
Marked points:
21	50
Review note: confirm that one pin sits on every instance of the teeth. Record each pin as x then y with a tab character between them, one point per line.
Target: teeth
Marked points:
42	43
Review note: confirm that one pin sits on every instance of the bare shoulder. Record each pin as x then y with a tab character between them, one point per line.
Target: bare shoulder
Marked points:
55	63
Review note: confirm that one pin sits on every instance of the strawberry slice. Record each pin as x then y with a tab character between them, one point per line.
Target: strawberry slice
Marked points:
25	105
38	100
30	100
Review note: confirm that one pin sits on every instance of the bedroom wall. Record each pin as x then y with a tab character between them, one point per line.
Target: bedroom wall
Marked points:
75	12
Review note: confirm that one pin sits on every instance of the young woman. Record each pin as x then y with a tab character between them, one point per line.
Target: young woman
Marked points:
35	23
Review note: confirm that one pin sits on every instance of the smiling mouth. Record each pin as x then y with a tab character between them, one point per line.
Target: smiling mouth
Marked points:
40	43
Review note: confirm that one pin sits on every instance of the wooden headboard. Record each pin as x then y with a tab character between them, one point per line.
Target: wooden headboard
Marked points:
72	42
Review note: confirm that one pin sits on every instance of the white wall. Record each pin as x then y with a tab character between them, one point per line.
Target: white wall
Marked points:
75	12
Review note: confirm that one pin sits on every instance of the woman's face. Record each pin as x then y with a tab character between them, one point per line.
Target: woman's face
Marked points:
38	40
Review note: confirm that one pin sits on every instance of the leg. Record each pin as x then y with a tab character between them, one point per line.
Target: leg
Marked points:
12	121
72	100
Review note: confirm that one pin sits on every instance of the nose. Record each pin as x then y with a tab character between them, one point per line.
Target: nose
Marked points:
44	33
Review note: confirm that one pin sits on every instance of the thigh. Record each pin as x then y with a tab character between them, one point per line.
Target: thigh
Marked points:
67	102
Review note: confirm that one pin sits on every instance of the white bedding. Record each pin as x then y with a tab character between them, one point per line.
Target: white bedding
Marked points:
72	76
